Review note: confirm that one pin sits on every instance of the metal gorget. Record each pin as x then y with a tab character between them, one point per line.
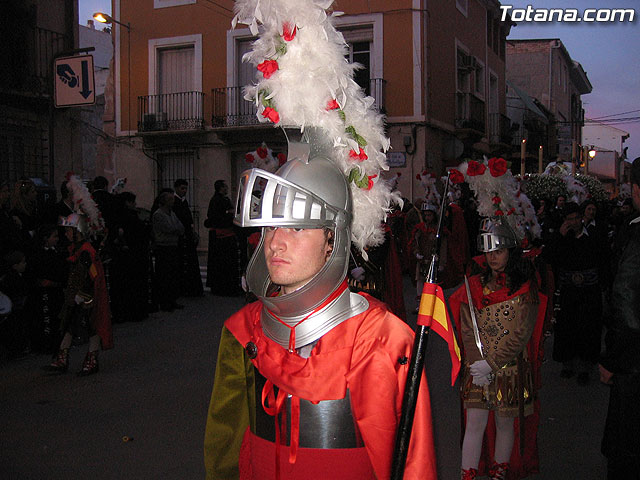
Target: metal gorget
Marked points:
345	306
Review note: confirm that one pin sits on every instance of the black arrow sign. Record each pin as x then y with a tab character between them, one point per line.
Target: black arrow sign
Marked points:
85	92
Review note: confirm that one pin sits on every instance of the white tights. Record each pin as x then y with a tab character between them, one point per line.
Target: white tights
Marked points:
474	432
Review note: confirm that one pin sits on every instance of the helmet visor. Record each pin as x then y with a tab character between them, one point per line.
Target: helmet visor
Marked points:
265	200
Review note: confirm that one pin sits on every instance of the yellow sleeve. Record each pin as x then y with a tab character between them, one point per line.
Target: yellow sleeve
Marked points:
229	410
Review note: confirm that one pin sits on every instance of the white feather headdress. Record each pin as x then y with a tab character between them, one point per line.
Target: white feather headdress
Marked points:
84	204
305	81
498	194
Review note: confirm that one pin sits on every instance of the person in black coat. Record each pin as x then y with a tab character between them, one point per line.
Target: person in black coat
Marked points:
130	264
191	283
620	362
223	263
576	258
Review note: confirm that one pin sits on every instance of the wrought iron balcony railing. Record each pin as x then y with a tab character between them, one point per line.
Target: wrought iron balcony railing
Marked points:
470	112
28	67
171	111
230	109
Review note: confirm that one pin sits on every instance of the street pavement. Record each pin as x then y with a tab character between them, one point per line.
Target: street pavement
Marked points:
143	415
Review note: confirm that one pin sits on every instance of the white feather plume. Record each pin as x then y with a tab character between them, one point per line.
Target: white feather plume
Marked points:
312	85
84	203
501	196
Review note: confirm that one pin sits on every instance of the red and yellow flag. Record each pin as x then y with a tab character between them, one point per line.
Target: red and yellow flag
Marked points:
433	314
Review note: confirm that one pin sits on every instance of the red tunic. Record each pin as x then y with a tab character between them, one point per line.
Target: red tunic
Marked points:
100	313
364	354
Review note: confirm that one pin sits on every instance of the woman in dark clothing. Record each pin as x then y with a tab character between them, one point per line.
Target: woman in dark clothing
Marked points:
23	209
129	267
223	263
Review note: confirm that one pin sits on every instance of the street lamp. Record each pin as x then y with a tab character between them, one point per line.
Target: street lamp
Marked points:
592	152
105	18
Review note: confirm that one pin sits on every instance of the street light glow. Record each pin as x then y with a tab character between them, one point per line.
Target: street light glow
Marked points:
102	17
592	153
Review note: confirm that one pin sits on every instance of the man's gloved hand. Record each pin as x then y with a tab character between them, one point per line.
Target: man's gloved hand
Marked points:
480	368
358	273
482	380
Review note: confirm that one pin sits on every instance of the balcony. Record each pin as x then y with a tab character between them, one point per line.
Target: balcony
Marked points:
470	112
499	129
28	69
171	112
230	109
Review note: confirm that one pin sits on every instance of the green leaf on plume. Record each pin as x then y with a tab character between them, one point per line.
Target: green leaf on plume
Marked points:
352	131
281	49
262	95
360	181
342	116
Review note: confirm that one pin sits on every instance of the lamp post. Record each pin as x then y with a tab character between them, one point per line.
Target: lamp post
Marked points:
106	18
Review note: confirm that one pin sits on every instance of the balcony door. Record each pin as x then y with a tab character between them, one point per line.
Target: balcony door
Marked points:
175	67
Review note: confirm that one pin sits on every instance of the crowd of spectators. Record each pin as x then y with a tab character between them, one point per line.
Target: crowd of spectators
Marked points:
150	259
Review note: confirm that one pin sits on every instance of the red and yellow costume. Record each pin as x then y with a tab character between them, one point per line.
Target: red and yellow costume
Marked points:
521	333
365	356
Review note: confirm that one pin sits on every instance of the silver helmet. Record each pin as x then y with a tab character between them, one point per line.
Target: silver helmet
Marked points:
309	191
75	220
496	233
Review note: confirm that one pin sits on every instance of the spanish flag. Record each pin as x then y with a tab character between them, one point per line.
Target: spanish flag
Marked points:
433	314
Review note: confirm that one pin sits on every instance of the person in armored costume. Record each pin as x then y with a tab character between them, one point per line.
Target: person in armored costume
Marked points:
500	335
309	379
85	299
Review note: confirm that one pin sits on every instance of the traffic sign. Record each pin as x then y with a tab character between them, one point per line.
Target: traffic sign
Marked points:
74	82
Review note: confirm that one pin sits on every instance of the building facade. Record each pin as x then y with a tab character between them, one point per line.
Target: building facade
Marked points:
544	70
175	107
37	140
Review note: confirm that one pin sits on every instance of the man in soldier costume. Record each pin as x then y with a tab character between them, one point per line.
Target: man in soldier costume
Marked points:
309	379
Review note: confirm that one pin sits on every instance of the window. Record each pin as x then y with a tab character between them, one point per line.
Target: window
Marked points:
359	41
479	75
175	163
463	69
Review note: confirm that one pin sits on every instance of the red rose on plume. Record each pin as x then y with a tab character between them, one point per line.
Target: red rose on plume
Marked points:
433	175
268	68
287	33
271	114
497	166
475	168
262	152
456	176
358	156
332	104
499	213
249	158
418	177
511	211
370	184
496	200
424	173
282	159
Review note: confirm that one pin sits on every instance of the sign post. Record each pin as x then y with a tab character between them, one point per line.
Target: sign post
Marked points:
74	81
